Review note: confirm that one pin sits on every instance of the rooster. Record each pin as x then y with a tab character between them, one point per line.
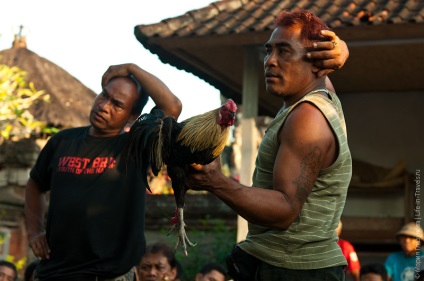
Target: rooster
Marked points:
157	140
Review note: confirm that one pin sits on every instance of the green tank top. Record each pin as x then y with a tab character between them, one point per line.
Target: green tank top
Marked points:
311	241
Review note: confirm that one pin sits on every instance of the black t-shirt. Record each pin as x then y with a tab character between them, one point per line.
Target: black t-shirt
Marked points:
95	223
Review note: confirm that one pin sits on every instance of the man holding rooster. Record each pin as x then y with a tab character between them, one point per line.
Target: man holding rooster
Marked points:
95	225
96	214
303	167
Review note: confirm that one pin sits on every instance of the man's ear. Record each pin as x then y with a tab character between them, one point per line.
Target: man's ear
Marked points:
173	273
199	276
315	69
132	118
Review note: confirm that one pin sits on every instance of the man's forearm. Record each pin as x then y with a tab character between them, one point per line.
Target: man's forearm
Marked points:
158	91
35	208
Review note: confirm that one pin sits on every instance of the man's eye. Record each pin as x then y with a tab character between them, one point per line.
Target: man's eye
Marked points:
117	104
162	268
145	267
281	51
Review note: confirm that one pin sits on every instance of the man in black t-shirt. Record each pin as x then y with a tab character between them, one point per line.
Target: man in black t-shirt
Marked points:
95	222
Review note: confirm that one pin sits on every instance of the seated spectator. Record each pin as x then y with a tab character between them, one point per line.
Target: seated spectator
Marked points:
401	265
8	271
373	272
353	265
158	263
211	272
30	269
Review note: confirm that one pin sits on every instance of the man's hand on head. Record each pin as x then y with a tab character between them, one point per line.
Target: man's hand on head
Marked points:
120	70
330	55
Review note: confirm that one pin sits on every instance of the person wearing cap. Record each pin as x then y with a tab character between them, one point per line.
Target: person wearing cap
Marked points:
401	265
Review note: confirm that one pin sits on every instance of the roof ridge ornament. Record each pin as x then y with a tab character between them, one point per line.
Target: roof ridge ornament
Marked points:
19	39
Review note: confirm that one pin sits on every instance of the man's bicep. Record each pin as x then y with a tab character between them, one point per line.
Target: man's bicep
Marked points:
295	171
303	148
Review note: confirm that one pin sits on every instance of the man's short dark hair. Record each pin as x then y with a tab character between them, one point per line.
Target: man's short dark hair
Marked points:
165	249
375	268
11	266
309	24
142	99
213	266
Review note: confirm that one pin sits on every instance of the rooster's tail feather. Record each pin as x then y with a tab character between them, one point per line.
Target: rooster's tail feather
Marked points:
144	144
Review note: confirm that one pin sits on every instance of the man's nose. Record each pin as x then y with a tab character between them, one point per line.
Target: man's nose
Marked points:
152	271
104	105
270	59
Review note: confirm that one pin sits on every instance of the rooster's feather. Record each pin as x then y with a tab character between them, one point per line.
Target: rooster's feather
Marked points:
156	140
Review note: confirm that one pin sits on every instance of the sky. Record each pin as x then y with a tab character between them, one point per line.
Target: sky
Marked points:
85	37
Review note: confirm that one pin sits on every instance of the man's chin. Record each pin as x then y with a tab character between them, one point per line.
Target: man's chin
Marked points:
273	92
97	121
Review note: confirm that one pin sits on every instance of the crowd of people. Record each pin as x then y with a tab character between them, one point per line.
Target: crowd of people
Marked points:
159	263
300	182
404	265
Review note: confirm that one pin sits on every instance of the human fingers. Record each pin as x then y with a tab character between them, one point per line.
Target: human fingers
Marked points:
332	59
323	72
319	72
321	55
196	167
115	71
327	45
40	247
331	35
205	168
330	63
106	76
45	249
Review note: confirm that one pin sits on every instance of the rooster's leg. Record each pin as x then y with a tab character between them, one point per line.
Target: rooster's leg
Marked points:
179	228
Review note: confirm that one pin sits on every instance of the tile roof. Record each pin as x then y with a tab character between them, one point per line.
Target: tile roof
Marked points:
242	16
211	42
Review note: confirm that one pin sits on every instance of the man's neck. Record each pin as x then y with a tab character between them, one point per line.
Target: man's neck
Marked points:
92	131
316	86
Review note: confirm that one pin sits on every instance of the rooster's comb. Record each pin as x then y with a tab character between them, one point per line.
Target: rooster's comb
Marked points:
231	105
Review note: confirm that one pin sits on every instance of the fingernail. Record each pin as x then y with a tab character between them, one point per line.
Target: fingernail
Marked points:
322	31
315	45
308	55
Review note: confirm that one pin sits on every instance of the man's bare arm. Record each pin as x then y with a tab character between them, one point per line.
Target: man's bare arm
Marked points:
157	90
35	210
330	55
307	145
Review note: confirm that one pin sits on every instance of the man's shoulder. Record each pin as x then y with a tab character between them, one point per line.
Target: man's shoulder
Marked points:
394	256
67	134
71	132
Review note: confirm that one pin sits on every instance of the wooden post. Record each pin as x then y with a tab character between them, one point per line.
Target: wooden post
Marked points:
248	126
